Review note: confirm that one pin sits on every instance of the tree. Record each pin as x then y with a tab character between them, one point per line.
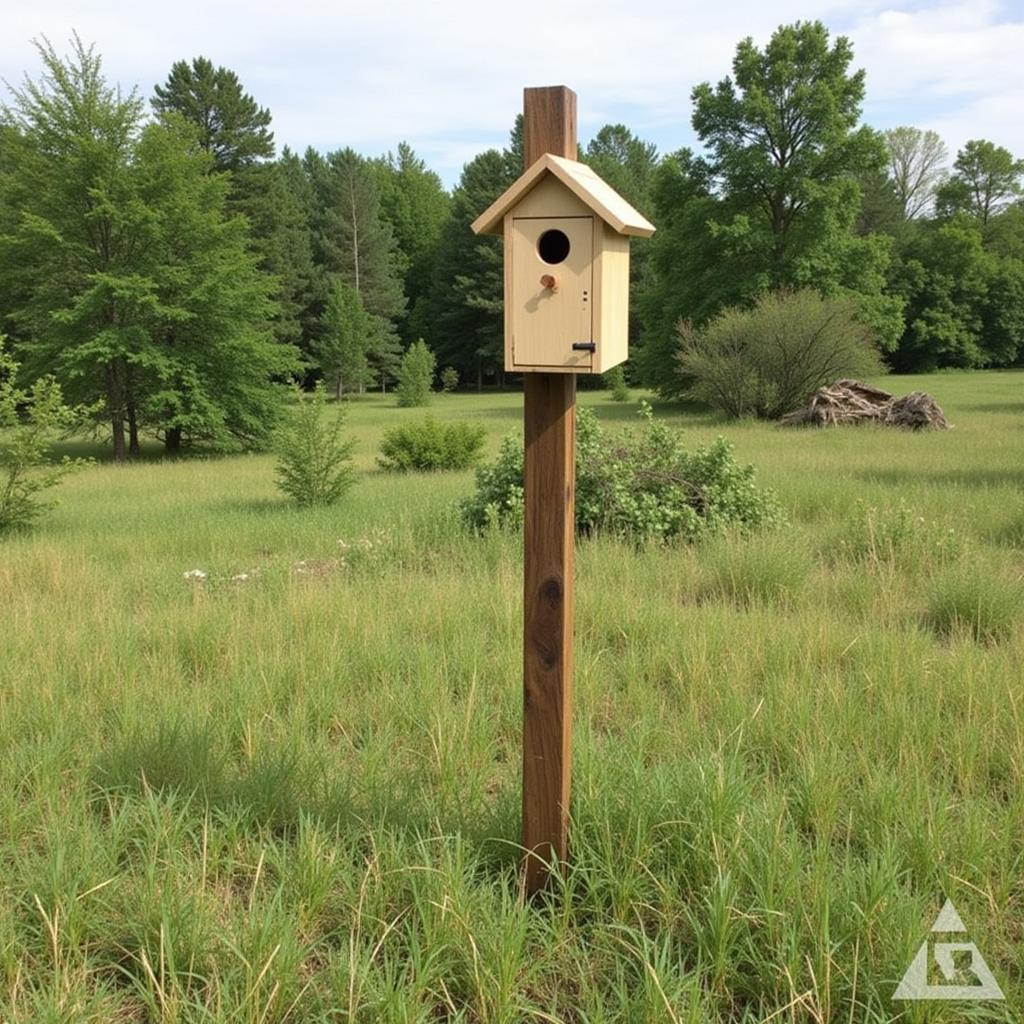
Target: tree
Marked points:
345	340
30	420
353	242
785	144
413	201
462	314
232	127
964	306
776	203
130	284
985	180
276	200
314	458
416	375
917	162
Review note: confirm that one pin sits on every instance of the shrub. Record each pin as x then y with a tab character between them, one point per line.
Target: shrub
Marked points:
314	460
25	442
416	375
641	485
449	379
768	360
615	381
429	445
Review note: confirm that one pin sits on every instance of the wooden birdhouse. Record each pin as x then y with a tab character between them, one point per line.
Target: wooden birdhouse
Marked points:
566	268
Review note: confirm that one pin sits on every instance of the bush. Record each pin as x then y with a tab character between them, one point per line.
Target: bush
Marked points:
615	381
416	375
429	445
314	460
768	360
449	379
641	485
25	442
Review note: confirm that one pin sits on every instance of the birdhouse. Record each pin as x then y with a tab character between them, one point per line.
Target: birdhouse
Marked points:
566	268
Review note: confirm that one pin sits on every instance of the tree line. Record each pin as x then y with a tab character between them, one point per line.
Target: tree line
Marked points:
170	267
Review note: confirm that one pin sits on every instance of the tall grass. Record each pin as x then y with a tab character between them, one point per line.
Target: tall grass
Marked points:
289	791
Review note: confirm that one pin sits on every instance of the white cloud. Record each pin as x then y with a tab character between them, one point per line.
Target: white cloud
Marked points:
448	75
953	67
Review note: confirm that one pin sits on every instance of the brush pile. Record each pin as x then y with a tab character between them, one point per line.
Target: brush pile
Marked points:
849	401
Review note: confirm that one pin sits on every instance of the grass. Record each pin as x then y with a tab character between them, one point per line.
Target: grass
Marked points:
289	791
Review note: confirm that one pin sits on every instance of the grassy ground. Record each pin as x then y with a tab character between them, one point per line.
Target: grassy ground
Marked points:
289	792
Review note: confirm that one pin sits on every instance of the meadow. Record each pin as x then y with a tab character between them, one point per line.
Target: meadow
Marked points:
286	787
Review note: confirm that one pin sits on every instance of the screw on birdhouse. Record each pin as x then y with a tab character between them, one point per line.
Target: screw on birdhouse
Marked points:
550	282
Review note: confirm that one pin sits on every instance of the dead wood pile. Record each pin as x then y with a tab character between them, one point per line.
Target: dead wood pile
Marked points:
849	401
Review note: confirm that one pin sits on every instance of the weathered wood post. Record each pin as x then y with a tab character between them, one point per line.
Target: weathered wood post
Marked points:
566	236
549	419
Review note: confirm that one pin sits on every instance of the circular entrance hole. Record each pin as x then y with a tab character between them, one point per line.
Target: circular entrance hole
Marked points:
553	246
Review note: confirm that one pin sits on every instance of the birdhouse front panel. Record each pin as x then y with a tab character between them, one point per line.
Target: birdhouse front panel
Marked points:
552	294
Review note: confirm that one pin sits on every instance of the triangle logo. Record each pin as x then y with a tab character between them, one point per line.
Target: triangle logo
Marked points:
970	980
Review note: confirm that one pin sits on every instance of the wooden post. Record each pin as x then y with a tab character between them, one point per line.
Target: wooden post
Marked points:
549	416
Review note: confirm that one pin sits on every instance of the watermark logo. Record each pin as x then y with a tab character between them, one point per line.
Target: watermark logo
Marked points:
948	970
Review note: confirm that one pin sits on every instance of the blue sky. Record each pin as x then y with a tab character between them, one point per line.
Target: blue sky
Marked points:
447	75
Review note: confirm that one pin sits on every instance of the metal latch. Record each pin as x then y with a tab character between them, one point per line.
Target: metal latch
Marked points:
584	346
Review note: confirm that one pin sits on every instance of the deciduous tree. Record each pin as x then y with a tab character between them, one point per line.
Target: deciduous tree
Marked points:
917	166
131	285
985	180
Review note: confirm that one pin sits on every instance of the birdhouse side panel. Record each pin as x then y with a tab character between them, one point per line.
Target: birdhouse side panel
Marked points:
611	300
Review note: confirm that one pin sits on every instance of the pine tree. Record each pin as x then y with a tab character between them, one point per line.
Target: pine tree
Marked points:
274	198
353	242
345	339
232	127
413	201
416	375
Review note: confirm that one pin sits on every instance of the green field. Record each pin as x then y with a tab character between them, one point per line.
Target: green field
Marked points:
289	792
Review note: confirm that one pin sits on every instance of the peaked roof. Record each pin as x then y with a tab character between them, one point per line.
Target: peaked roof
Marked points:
582	182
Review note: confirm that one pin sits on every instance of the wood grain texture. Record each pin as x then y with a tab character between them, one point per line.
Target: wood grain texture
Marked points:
549	416
549	123
550	422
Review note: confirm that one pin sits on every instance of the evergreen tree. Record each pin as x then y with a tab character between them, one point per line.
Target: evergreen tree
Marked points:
416	375
461	318
275	199
232	127
413	201
345	339
353	242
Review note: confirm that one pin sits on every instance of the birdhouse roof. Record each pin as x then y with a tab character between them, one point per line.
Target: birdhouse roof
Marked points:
582	182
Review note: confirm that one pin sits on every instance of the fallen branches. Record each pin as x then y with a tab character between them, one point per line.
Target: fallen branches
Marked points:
849	401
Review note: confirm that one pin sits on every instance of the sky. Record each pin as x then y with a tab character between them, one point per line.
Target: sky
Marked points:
447	75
